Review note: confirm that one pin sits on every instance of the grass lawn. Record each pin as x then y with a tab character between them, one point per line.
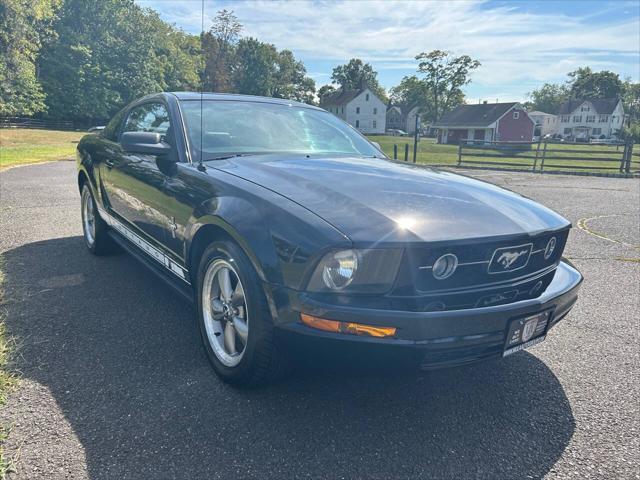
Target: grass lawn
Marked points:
19	146
429	152
7	378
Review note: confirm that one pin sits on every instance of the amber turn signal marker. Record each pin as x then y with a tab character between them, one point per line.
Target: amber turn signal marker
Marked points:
346	327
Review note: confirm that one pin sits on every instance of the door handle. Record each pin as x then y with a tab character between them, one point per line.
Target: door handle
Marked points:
109	163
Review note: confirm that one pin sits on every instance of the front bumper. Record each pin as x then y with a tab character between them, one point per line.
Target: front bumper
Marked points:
444	338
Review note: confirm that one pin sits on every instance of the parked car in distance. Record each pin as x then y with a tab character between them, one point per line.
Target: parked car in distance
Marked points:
280	222
605	141
397	132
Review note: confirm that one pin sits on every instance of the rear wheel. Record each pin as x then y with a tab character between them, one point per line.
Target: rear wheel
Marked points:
234	319
94	228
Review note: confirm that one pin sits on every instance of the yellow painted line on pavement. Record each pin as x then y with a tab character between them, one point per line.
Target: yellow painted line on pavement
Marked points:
583	225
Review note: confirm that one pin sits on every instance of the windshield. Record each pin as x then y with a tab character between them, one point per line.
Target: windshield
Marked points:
239	127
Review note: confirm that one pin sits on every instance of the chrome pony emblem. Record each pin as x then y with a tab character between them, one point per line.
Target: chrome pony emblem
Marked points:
508	259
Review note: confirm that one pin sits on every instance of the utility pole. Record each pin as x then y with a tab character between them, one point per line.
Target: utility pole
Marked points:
415	138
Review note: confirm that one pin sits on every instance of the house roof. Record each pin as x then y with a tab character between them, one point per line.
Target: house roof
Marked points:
480	115
341	97
538	112
601	105
404	108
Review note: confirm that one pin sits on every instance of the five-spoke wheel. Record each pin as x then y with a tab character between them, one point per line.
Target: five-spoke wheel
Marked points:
95	230
235	320
88	217
225	312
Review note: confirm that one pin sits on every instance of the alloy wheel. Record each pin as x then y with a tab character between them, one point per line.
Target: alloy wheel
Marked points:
88	217
225	312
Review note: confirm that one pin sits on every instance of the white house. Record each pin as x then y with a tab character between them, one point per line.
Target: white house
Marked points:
361	109
581	119
546	123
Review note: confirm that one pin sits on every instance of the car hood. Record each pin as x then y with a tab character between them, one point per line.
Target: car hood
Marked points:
374	200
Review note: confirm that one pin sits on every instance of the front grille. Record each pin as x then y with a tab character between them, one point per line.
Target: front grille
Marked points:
489	272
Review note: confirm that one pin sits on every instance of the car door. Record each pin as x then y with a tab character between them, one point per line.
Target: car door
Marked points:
134	182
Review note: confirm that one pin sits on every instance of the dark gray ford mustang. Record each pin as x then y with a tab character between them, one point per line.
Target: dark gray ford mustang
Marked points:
275	216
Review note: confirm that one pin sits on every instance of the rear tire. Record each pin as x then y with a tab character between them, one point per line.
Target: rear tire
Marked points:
234	319
95	230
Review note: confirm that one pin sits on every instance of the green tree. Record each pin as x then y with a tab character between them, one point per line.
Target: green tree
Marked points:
291	79
585	83
548	98
411	92
444	76
109	52
218	45
631	100
255	68
355	74
178	54
325	91
259	69
25	25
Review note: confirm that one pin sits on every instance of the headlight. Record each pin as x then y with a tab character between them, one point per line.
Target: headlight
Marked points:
339	269
361	271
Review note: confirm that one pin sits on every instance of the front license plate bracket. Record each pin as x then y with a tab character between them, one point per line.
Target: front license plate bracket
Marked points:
524	332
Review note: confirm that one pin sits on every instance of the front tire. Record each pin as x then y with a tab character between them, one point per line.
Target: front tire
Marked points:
234	319
94	228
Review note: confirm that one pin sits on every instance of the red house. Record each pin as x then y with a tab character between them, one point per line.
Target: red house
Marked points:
486	122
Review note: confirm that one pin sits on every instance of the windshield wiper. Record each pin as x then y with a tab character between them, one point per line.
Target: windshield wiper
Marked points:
231	155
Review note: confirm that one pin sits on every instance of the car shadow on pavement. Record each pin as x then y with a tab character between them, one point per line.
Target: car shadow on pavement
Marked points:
121	356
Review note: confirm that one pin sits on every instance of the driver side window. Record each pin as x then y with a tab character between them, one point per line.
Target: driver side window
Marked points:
150	117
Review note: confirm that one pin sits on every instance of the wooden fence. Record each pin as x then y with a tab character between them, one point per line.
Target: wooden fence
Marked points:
550	156
21	122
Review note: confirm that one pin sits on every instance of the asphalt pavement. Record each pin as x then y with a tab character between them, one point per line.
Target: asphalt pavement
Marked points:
115	384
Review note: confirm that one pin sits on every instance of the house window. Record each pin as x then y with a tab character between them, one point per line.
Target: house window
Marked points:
375	124
357	123
357	109
591	119
516	115
375	111
343	110
565	118
577	118
584	108
596	131
366	97
603	118
567	131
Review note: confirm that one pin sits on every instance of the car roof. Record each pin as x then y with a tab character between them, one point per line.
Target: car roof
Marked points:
236	97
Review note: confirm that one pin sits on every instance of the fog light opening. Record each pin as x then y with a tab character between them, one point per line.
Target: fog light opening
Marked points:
349	328
550	248
444	266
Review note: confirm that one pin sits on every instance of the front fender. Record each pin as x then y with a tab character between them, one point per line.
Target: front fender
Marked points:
281	238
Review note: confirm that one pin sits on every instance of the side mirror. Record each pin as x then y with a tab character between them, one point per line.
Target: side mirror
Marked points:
148	143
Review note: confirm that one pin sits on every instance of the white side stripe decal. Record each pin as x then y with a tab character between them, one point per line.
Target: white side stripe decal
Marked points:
145	246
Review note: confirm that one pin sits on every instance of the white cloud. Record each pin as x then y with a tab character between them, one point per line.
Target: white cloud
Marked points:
515	47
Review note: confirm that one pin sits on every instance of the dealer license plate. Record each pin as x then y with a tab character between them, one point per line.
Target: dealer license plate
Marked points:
526	332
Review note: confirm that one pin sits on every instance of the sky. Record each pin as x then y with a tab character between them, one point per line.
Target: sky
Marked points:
521	44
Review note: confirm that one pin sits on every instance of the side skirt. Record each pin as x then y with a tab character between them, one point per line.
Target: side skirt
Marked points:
182	288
